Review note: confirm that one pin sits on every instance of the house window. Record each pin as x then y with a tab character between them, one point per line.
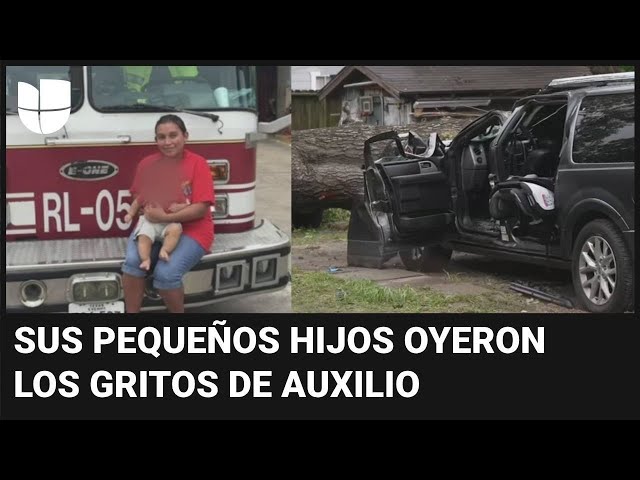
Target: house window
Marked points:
318	81
322	81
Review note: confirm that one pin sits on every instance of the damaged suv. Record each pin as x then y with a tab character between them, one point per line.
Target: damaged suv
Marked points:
551	183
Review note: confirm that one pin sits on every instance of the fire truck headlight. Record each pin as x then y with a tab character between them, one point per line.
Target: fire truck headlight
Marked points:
84	292
226	272
222	206
33	293
95	288
107	290
230	277
265	270
263	266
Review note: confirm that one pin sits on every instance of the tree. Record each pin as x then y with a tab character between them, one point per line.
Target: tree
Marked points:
600	69
326	163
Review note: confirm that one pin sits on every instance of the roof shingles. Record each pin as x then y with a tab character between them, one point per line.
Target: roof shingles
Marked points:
467	78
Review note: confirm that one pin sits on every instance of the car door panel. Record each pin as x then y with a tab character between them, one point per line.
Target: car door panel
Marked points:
417	199
418	194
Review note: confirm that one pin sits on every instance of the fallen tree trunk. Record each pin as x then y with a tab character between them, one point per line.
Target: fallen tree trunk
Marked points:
326	162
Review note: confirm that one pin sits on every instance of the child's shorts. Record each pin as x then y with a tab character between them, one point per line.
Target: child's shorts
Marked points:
155	231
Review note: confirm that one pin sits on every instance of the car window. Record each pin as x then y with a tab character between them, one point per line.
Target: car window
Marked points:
605	129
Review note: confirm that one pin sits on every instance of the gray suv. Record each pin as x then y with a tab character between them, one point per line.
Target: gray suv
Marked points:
551	183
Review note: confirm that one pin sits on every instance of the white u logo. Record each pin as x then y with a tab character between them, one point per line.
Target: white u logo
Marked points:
47	110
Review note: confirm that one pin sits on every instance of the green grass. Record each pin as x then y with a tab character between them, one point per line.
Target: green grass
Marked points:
333	216
334	226
310	236
320	292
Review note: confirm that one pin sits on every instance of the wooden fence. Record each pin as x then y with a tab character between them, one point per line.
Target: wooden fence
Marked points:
308	112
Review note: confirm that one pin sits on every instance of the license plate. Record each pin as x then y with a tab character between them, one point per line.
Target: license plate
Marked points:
105	307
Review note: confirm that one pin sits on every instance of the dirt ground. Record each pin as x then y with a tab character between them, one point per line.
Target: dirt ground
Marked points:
466	274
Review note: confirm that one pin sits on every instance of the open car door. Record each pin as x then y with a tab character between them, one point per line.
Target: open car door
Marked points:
416	189
407	198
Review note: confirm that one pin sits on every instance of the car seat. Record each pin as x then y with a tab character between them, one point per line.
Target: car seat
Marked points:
529	198
531	195
543	160
521	201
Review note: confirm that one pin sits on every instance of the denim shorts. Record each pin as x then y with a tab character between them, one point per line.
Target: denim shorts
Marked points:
166	275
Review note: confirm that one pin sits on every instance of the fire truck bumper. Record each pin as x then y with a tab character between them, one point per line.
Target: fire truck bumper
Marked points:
41	274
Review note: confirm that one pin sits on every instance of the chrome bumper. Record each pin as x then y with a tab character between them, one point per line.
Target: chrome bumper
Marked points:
55	261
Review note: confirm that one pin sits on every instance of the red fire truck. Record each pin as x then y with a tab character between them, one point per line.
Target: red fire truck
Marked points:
67	191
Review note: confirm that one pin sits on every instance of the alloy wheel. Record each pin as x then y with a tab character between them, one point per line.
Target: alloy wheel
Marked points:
597	270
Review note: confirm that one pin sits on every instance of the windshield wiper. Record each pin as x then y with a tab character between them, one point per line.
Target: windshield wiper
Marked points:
151	107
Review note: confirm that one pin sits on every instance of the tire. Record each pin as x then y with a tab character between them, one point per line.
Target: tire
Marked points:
602	269
425	259
307	220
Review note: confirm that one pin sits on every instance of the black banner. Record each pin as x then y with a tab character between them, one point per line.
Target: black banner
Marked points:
320	367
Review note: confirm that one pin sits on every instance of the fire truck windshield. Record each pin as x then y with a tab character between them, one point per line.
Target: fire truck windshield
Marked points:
196	87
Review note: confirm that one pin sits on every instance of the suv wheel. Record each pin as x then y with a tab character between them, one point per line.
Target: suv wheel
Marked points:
602	269
425	259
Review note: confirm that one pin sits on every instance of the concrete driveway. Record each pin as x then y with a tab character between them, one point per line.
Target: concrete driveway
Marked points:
273	201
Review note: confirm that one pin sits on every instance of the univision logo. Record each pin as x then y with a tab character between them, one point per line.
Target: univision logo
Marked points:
47	110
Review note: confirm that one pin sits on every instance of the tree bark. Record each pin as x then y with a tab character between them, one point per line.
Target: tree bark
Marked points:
326	162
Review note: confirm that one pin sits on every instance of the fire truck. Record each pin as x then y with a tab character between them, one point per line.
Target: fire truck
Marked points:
67	190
